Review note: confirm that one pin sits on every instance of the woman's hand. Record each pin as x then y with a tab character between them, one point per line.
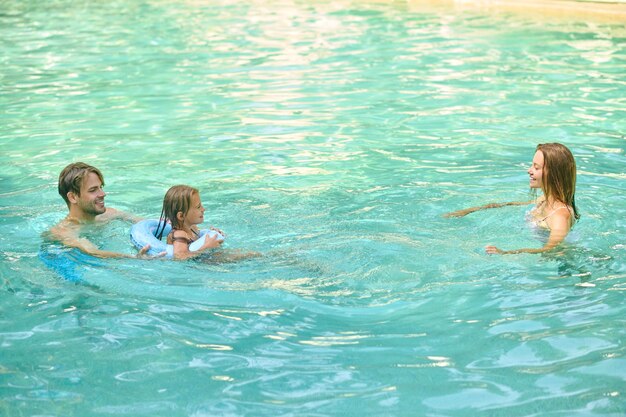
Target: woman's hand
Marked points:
460	213
491	250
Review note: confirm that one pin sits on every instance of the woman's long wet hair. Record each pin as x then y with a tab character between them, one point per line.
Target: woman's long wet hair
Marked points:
177	199
559	174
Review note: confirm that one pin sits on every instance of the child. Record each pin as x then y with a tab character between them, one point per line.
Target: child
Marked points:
553	170
183	209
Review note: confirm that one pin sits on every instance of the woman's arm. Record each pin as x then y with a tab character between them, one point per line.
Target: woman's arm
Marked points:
464	212
559	224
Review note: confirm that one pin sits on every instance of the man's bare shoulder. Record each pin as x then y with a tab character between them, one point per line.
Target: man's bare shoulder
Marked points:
63	230
112	214
67	232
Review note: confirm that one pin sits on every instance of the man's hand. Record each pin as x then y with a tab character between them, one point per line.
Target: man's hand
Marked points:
143	253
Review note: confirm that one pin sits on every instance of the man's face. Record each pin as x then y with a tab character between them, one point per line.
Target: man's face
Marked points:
91	199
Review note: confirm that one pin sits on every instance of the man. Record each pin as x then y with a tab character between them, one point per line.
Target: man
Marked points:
80	185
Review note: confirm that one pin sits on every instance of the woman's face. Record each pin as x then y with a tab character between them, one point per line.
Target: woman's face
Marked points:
536	170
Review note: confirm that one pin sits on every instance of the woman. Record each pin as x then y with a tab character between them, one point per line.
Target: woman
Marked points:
553	170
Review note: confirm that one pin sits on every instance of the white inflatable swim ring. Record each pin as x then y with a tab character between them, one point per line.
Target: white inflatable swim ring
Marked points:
144	233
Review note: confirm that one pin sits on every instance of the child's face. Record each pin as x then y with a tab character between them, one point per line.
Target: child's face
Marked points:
195	214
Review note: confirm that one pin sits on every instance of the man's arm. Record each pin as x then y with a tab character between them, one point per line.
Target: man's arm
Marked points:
69	237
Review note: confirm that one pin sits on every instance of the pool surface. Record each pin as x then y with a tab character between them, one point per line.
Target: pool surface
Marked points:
331	136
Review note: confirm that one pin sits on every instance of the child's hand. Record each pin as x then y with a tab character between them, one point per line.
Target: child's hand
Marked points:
218	231
211	242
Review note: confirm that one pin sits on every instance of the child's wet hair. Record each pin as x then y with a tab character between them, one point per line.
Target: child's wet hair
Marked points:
177	199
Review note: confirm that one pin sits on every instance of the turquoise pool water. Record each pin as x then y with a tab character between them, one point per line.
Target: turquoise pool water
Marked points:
330	136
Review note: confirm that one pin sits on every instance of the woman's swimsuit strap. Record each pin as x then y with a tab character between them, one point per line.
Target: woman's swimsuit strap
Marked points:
554	211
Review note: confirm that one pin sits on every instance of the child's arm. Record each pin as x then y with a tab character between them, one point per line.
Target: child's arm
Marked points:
180	241
464	212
